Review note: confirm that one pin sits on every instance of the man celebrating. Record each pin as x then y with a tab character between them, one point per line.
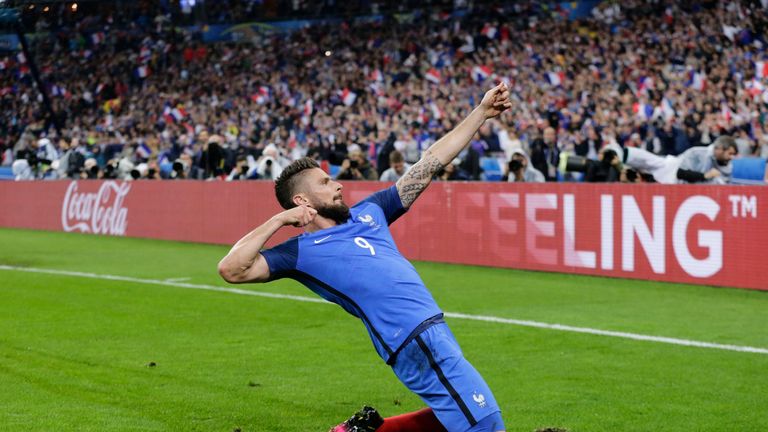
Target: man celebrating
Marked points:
711	164
348	257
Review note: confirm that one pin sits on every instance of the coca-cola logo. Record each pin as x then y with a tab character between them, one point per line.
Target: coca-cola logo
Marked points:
101	212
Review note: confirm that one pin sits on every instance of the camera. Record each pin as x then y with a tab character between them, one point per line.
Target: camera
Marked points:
353	164
515	165
177	169
608	157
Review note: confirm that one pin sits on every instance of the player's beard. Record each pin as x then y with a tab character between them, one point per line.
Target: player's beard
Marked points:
337	212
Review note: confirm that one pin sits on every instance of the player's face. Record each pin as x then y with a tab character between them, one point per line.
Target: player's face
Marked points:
321	190
723	156
324	195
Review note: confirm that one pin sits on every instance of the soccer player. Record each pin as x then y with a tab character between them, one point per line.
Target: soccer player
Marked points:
347	256
711	164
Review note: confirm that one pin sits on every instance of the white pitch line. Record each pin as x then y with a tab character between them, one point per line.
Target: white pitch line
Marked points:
178	279
499	320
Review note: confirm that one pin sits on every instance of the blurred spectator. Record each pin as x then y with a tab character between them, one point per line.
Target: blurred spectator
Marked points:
545	154
680	74
356	167
590	146
450	172
397	167
519	169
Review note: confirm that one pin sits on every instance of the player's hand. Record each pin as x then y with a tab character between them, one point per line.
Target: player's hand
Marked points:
496	101
298	216
712	173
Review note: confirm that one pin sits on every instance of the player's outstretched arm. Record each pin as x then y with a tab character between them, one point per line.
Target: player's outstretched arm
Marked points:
244	262
413	183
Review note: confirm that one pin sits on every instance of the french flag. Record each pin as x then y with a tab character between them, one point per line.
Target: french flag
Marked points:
422	118
667	110
178	113
433	76
481	73
725	112
145	54
644	84
309	108
555	78
167	114
261	96
348	96
437	113
489	31
376	76
143	71
98	38
754	87
642	110
99	88
761	69
696	81
143	151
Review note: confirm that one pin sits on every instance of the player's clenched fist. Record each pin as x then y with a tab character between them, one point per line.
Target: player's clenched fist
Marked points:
298	216
496	100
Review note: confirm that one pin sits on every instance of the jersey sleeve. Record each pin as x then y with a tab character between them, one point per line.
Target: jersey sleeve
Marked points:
389	201
282	258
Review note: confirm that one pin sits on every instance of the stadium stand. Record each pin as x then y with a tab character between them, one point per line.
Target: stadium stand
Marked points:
144	93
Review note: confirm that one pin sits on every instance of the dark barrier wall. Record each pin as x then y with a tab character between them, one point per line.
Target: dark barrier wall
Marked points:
695	234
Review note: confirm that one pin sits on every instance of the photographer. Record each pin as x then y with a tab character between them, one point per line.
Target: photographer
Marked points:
71	161
269	165
183	168
607	168
38	158
356	167
519	169
711	164
241	169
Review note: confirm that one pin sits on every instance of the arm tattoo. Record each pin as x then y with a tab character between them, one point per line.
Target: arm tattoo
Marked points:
413	183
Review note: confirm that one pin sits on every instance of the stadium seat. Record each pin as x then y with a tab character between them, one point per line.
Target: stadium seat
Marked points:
6	173
491	169
749	170
333	170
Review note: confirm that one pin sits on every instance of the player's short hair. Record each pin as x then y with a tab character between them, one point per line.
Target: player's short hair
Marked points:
725	142
285	184
396	157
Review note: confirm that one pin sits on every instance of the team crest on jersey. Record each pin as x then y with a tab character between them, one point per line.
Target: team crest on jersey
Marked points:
479	399
368	220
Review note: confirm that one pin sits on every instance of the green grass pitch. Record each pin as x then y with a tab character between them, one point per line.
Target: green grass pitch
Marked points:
85	354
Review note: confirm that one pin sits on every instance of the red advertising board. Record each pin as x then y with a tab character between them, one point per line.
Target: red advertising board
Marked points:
713	235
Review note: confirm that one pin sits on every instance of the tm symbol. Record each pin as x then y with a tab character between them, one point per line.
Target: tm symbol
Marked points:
743	206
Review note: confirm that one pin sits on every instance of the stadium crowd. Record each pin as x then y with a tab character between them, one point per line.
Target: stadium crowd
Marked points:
147	99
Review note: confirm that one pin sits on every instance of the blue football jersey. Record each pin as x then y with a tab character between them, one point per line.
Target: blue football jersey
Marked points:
357	266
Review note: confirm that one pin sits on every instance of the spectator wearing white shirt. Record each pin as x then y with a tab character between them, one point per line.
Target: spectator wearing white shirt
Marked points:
397	167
